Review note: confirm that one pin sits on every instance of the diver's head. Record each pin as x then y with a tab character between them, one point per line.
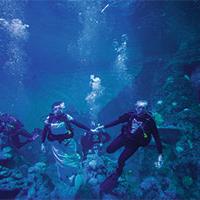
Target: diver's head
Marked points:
58	107
141	106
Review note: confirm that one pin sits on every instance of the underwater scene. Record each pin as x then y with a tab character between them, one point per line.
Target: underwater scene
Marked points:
100	99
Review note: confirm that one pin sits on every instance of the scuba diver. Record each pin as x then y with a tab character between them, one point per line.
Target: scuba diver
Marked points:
137	131
92	141
58	125
58	130
11	129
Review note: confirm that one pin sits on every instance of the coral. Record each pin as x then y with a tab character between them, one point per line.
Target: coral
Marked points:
187	181
155	188
68	190
158	118
12	182
39	185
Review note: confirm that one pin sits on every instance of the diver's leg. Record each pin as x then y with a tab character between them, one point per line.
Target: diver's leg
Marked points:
116	144
111	181
125	155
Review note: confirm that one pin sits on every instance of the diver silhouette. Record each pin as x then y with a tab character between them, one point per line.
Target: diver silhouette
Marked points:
92	140
11	129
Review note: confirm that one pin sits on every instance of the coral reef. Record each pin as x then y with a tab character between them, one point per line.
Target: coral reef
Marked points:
39	185
11	179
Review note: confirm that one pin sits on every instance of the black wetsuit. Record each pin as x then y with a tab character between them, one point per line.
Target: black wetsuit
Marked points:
68	120
132	141
89	140
12	129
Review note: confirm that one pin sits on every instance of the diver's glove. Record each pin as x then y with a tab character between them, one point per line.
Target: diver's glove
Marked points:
159	163
43	149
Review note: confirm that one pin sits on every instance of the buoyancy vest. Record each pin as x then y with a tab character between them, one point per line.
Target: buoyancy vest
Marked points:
59	126
137	125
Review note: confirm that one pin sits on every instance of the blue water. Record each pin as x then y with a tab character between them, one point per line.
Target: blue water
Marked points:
50	48
65	42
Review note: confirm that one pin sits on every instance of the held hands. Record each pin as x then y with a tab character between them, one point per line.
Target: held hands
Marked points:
99	127
159	163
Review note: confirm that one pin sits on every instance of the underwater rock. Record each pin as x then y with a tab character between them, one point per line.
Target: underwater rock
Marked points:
123	189
68	190
187	77
170	135
39	168
195	77
110	197
159	102
150	188
186	176
95	170
93	181
149	183
11	182
179	149
187	181
158	118
18	175
4	172
174	104
39	185
93	164
165	183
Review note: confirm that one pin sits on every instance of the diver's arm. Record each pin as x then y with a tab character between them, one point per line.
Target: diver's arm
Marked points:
24	133
121	119
75	122
44	133
80	125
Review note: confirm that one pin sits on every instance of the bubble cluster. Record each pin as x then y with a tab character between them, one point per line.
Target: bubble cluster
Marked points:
96	92
91	21
120	65
15	27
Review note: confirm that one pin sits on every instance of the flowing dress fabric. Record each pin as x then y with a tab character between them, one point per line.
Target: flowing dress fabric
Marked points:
67	158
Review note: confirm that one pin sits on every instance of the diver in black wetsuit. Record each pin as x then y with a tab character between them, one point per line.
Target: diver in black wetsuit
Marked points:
11	129
58	125
92	140
137	132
